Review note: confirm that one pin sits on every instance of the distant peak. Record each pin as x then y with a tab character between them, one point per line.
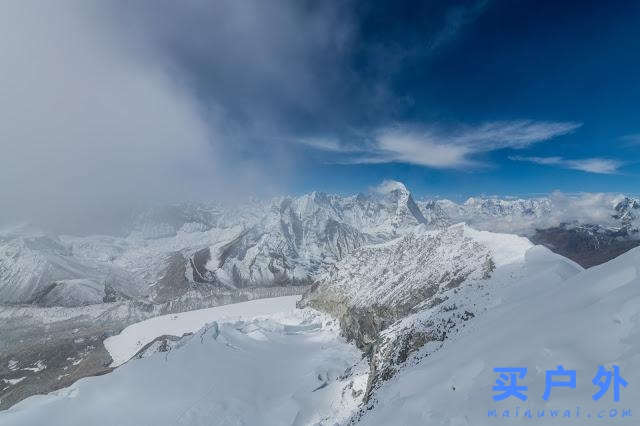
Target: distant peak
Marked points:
470	201
389	186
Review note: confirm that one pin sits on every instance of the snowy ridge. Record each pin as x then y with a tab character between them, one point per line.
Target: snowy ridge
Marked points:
394	298
579	319
406	270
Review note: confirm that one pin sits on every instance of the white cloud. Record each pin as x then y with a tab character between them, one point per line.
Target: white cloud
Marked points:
445	148
596	208
557	208
589	165
87	129
512	134
395	145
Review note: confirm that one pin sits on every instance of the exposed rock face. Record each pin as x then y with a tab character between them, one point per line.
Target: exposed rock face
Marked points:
173	283
435	214
549	223
379	284
401	342
587	245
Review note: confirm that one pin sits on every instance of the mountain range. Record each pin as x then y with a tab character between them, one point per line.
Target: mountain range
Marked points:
375	262
433	313
193	250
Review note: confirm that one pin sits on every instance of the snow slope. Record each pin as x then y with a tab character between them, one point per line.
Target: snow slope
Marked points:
290	367
504	248
565	316
285	369
133	338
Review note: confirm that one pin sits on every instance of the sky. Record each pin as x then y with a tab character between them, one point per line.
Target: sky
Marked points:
110	105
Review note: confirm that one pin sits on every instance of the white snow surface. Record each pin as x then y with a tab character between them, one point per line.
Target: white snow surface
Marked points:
125	345
504	248
556	314
284	369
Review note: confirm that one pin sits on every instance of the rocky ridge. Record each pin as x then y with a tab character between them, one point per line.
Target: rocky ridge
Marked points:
392	299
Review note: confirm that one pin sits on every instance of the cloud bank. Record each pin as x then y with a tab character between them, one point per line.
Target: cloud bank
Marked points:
110	105
556	209
87	129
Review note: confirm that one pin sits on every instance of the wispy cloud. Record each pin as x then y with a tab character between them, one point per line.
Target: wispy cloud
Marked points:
328	144
456	18
443	148
511	134
631	140
589	165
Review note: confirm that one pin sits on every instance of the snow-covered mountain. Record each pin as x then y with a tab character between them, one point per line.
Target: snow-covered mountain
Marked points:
398	274
589	229
483	210
190	251
173	251
174	259
379	284
525	215
41	269
434	364
392	299
557	315
628	212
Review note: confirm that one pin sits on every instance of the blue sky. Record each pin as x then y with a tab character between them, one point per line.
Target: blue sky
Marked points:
569	70
110	105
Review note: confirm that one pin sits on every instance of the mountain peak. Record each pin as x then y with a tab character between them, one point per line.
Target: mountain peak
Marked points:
391	186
